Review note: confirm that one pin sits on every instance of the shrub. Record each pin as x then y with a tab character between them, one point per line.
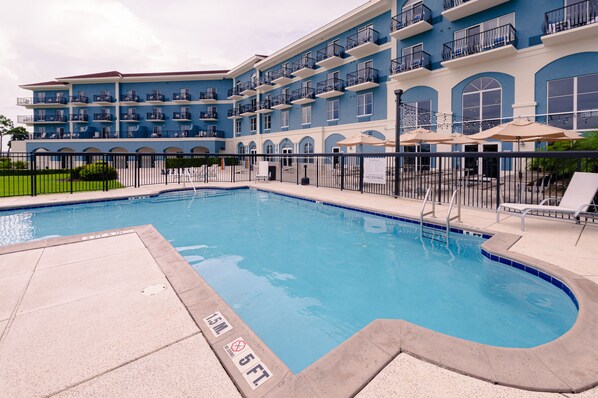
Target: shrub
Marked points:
98	171
19	165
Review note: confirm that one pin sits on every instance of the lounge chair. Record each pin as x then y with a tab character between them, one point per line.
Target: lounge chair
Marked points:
578	197
262	172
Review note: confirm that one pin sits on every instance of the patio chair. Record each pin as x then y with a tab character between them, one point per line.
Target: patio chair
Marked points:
262	173
578	197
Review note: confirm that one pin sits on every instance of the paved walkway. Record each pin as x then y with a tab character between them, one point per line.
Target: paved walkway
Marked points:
73	321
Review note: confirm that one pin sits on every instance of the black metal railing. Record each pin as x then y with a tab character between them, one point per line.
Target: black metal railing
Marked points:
411	16
281	72
247	108
282	99
181	115
247	86
132	117
368	35
156	116
130	98
181	97
155	97
234	112
266	80
208	95
303	93
448	4
417	60
78	99
42	119
328	85
103	98
235	91
303	63
264	105
476	43
103	117
210	134
331	50
79	117
363	75
54	100
570	17
208	115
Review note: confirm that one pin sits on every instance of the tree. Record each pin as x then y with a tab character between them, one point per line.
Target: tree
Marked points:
18	134
5	126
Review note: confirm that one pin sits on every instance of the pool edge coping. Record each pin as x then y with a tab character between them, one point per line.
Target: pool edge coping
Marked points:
367	352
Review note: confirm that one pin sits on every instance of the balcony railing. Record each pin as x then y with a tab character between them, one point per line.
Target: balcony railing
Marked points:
365	75
570	17
208	115
155	97
42	119
331	50
264	105
448	4
130	98
50	100
208	95
181	97
329	85
234	112
181	115
303	93
411	16
103	98
247	108
132	117
417	60
247	87
103	117
210	134
156	116
281	73
368	35
79	99
235	91
480	42
79	117
279	100
265	80
303	63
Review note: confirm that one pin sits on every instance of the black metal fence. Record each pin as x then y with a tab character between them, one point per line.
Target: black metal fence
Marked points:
485	179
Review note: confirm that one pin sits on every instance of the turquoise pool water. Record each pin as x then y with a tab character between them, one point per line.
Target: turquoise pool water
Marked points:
306	276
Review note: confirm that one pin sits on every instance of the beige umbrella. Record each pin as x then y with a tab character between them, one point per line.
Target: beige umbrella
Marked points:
423	136
569	136
462	139
520	130
392	143
361	140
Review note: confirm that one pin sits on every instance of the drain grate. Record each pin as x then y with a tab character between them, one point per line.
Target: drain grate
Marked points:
152	290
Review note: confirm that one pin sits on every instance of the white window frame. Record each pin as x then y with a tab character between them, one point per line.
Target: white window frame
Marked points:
330	110
253	124
238	126
267	122
364	95
306	115
480	94
575	111
285	119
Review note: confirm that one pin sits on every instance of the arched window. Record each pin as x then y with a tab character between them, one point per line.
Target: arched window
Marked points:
308	147
269	149
241	149
482	105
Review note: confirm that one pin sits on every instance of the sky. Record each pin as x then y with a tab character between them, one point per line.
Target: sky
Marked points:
44	39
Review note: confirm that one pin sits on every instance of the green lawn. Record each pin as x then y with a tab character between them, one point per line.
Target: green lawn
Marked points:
49	183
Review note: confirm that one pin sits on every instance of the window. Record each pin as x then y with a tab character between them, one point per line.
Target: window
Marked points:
284	119
412	56
332	110
573	102
365	104
365	34
308	148
418	114
364	71
473	36
269	149
267	122
238	126
306	115
482	105
253	124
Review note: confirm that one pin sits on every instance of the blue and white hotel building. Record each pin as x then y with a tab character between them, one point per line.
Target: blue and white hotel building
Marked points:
464	65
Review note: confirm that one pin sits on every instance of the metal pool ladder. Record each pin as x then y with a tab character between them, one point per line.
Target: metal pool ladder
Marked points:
437	232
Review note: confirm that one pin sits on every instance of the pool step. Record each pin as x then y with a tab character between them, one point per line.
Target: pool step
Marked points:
438	235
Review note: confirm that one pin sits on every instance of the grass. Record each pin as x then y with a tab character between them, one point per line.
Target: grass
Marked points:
50	183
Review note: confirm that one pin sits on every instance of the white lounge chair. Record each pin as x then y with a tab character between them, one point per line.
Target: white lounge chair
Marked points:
262	172
578	197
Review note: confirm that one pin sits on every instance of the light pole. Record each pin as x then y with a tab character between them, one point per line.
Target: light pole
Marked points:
398	94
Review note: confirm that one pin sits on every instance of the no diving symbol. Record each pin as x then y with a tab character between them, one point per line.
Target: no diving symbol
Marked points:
238	346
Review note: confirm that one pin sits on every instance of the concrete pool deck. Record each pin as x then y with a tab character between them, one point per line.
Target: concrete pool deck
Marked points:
73	321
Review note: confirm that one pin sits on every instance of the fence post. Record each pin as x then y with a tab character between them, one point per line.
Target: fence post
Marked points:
498	184
33	173
361	160
317	172
105	168
439	160
297	163
137	167
70	157
342	171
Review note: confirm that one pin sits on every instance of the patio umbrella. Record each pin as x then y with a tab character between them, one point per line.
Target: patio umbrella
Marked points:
361	140
391	143
422	136
462	139
569	136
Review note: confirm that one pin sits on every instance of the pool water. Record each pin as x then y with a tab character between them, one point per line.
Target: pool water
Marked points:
306	276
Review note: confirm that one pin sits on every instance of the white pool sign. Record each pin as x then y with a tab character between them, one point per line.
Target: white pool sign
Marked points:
218	324
247	362
374	170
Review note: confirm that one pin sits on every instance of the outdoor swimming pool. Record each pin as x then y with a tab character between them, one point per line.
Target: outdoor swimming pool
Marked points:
306	276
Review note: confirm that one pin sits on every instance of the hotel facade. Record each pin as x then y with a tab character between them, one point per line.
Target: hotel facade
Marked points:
463	66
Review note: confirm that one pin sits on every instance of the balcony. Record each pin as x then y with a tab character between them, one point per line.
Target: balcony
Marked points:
304	67
181	97
42	102
210	134
104	99
281	102
363	43
79	100
330	88
211	116
330	56
481	47
571	23
156	117
362	79
181	116
42	119
129	99
282	76
103	117
248	89
235	93
234	113
265	84
155	98
208	97
247	110
411	22
129	117
79	118
457	9
410	66
302	96
264	106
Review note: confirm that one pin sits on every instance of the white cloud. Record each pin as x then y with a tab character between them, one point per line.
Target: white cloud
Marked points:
40	41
